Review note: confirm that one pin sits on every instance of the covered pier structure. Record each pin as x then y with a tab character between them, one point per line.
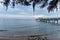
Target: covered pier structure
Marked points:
49	20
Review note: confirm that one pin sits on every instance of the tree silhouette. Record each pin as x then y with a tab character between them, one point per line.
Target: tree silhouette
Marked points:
51	4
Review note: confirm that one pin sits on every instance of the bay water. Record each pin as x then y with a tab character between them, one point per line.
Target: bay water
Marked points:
22	27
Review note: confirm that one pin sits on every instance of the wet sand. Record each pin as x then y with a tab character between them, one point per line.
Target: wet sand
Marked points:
30	37
14	38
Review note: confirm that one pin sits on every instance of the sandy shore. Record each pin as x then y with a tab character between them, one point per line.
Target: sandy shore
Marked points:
31	37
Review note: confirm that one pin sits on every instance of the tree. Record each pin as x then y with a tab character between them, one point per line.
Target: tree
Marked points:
52	4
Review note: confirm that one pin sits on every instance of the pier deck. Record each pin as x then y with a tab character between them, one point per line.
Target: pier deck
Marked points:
53	20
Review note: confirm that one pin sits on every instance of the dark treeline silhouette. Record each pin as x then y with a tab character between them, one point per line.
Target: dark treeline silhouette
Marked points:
51	4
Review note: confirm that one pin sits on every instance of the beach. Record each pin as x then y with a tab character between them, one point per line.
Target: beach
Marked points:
30	37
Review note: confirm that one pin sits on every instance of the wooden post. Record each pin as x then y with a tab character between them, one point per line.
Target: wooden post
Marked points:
49	21
57	21
54	21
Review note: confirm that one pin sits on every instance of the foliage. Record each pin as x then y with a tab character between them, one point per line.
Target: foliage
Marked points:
51	4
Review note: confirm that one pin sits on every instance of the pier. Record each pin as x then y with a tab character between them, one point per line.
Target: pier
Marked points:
49	20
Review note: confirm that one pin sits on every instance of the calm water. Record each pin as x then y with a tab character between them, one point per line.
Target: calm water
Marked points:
27	27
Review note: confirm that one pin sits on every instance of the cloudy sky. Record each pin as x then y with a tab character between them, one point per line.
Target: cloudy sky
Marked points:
21	11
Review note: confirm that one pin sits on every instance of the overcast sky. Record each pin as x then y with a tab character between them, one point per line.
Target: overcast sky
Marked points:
26	12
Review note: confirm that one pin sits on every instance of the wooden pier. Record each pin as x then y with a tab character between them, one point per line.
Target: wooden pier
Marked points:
49	20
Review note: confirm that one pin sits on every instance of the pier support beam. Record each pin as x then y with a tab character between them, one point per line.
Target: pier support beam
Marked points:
57	21
54	21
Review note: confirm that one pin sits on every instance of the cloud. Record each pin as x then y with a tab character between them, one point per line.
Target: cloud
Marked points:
19	16
10	16
36	16
26	12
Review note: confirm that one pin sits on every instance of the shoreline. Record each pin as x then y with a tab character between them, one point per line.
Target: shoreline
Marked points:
30	37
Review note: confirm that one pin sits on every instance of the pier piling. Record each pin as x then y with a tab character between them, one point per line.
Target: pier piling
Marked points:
48	20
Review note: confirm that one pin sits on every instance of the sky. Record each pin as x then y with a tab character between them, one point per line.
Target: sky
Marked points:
21	11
